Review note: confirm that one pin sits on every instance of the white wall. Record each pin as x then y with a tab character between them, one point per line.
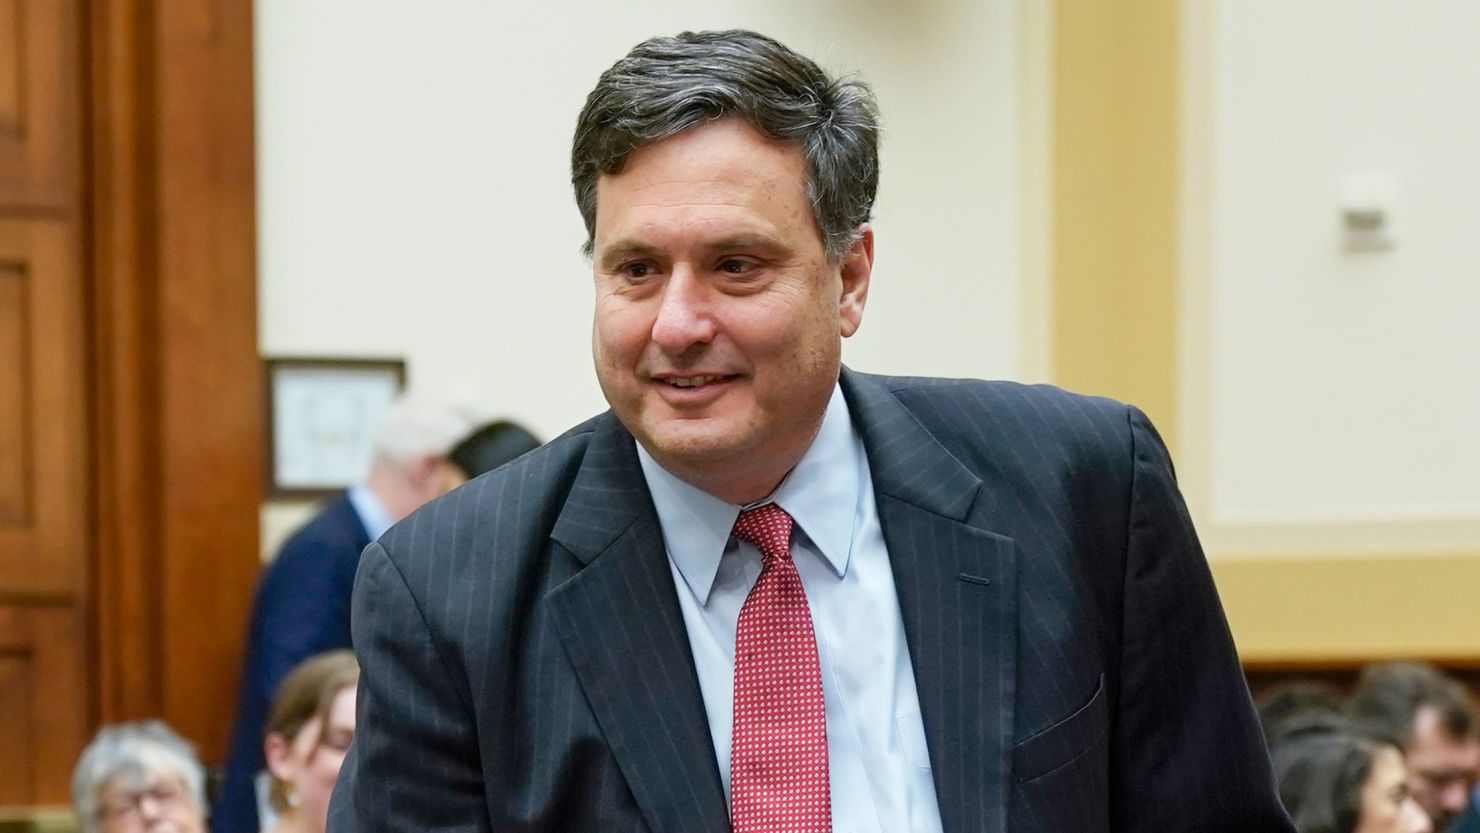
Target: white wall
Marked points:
414	198
1343	387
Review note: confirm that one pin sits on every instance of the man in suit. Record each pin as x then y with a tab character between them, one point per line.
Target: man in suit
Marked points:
303	599
768	593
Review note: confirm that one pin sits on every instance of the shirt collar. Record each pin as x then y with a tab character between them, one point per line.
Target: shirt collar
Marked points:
820	494
373	514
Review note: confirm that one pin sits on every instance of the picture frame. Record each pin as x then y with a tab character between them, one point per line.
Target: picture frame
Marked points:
321	418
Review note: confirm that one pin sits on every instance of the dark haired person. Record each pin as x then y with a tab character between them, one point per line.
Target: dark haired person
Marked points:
1338	782
1296	701
1431	715
766	592
484	450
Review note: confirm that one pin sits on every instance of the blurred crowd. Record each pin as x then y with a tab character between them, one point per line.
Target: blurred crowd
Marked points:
1399	754
295	713
143	776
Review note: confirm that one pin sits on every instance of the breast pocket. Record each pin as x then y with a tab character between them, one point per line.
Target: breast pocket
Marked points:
1064	742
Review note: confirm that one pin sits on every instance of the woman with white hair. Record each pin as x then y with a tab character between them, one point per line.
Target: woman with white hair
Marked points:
139	777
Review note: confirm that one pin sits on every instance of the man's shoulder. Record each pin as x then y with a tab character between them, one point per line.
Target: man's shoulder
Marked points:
1049	406
1007	427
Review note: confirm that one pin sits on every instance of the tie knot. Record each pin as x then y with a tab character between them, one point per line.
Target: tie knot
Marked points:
768	527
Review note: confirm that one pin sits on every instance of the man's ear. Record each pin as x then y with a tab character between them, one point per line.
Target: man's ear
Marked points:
856	268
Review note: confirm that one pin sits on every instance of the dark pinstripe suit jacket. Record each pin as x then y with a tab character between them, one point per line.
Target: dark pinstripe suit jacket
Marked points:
526	667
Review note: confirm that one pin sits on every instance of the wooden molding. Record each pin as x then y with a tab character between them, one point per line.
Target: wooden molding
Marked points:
177	382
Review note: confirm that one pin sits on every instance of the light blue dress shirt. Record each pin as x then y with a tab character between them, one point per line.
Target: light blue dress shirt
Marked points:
878	765
373	515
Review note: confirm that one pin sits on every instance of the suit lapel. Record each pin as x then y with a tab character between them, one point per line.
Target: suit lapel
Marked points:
621	625
958	595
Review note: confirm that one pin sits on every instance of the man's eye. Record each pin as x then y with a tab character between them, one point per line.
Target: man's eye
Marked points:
735	266
636	269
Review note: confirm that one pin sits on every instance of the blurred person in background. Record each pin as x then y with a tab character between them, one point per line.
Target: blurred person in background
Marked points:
302	603
484	450
308	733
139	777
1433	719
1334	781
1296	701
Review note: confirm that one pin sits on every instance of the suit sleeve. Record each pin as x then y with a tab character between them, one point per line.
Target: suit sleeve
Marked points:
1189	755
414	763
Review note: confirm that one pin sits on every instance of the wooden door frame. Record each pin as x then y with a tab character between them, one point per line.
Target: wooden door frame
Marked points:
176	381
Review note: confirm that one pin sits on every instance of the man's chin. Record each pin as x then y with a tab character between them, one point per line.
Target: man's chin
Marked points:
691	448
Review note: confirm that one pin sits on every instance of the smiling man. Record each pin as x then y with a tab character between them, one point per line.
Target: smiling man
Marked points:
768	593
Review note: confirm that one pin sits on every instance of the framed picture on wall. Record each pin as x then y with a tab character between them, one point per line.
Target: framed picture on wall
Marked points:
321	419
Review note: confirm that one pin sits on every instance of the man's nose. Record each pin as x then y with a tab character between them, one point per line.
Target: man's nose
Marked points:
685	317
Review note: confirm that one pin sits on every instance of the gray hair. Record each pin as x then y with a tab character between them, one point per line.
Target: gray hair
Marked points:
133	750
667	85
415	428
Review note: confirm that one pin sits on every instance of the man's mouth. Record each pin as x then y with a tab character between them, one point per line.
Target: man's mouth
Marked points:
693	381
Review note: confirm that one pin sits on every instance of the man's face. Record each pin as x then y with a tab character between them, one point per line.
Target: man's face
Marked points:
1442	768
719	319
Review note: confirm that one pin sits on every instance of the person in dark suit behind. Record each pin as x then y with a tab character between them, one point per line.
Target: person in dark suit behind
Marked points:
302	606
766	592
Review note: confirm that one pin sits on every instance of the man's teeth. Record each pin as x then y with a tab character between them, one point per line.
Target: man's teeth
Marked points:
694	381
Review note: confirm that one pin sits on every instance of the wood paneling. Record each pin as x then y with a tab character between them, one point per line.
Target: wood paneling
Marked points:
43	720
15	452
44	540
130	387
11	59
178	383
39	105
211	372
19	782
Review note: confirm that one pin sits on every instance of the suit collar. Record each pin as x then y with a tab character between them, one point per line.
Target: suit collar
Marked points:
608	494
906	461
622	629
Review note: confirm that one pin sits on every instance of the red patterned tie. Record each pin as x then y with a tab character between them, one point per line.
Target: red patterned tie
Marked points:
778	753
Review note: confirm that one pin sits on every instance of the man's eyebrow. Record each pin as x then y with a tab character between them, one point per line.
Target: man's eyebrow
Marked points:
610	255
622	249
742	241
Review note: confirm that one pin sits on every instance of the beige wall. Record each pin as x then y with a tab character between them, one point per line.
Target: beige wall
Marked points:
1338	397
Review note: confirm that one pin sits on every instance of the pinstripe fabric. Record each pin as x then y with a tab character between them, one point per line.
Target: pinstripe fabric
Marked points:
525	665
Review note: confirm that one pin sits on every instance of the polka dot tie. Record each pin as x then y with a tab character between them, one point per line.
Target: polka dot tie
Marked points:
778	753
